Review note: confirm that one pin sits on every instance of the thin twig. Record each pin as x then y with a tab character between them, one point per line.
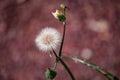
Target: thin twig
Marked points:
66	67
64	64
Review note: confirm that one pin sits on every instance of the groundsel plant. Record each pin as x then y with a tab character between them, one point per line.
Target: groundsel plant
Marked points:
48	40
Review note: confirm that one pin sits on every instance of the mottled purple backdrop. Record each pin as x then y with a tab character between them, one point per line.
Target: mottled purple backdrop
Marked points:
93	33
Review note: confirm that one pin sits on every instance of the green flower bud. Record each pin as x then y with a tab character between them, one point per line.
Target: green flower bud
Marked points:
61	18
59	15
50	73
62	6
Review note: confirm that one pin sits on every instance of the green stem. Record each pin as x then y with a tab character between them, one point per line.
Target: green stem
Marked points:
64	29
93	66
64	64
56	63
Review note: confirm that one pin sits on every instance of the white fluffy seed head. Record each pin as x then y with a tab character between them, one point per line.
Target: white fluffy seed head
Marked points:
47	39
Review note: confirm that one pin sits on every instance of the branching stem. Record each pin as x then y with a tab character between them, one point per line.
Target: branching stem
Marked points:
64	64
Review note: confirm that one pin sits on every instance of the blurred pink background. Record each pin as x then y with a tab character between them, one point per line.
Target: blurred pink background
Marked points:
93	33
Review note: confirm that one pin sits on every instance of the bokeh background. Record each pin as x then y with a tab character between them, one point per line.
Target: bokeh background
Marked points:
93	33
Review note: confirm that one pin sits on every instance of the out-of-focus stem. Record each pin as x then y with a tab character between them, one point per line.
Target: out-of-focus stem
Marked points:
93	66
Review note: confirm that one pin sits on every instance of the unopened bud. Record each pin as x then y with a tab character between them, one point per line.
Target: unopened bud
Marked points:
50	73
62	6
59	15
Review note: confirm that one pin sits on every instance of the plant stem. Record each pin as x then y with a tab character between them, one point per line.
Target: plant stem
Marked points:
56	62
93	66
64	29
55	65
64	64
66	67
